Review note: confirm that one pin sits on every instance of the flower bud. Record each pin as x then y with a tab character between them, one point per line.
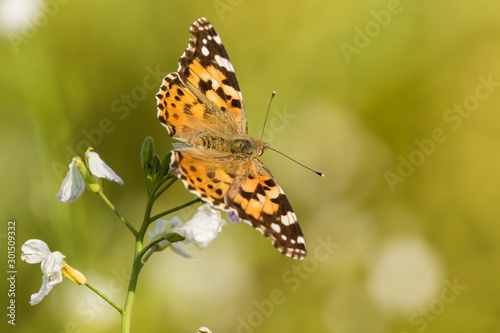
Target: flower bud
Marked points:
147	153
87	177
73	275
165	164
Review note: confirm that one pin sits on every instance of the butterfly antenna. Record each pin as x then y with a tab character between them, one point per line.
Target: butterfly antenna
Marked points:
267	113
302	165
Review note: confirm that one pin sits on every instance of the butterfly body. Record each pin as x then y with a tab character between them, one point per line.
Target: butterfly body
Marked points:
202	106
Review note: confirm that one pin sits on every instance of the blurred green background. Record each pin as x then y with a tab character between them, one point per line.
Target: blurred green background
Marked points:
395	101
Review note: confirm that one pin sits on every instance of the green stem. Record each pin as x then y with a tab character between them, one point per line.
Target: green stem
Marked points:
117	213
173	210
163	189
120	310
152	247
137	264
149	246
148	183
149	254
134	277
140	250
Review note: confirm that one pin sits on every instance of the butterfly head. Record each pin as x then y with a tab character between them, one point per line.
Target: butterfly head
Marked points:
246	146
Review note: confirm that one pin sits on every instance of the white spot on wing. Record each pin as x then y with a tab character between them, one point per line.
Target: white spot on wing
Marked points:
289	218
217	40
276	227
205	51
274	192
262	198
223	62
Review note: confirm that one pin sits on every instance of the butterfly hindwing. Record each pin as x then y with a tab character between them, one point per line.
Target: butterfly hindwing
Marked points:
205	177
260	201
248	189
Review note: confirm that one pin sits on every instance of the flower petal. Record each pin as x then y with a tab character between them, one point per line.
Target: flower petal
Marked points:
100	169
177	248
44	290
161	227
48	282
73	185
53	263
52	275
205	225
34	251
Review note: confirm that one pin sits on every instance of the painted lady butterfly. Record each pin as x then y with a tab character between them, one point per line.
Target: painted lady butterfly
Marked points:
201	105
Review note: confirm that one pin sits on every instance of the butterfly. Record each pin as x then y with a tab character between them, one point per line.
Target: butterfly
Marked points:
202	106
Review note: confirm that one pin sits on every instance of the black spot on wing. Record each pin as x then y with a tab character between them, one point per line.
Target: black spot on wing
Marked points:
205	85
246	195
236	103
270	182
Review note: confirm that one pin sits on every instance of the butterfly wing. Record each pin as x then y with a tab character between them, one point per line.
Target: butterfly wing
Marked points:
202	174
205	67
181	112
260	201
203	95
246	188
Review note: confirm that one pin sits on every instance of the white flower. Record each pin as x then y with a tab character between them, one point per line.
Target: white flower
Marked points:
205	225
161	227
100	169
78	176
203	330
73	184
35	251
53	267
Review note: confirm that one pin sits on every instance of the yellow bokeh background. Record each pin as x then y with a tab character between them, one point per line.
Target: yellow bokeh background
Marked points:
395	101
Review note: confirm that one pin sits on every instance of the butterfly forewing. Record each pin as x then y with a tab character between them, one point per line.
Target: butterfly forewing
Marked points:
205	67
